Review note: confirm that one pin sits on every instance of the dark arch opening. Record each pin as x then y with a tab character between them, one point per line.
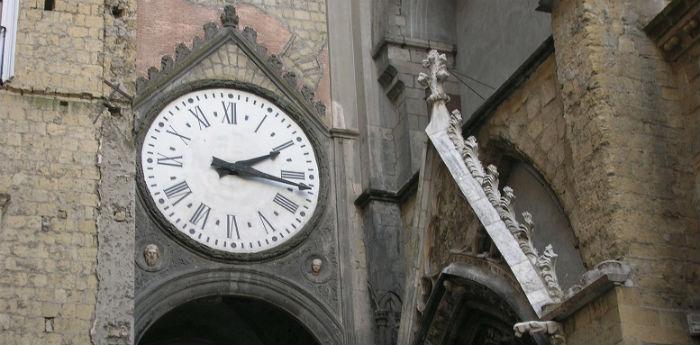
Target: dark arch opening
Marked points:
227	320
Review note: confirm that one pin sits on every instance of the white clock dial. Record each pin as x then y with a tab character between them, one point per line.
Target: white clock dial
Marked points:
230	170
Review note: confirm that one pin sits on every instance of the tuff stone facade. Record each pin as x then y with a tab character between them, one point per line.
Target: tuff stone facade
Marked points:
610	123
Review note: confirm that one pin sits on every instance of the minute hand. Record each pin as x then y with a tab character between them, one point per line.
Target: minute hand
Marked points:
252	161
250	171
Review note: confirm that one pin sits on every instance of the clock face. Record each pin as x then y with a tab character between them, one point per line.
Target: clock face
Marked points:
230	170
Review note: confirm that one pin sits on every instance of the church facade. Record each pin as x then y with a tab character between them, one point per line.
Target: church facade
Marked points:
350	172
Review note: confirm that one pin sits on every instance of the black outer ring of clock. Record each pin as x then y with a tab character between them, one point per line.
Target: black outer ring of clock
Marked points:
314	135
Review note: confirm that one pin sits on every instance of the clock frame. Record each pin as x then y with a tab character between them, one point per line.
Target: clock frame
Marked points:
314	132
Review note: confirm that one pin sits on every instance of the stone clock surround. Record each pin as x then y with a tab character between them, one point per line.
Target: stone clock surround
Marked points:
228	59
315	137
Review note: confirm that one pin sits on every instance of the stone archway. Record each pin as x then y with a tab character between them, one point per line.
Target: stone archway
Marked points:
227	320
227	290
473	303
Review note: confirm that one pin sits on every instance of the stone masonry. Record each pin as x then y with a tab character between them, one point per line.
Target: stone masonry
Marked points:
51	115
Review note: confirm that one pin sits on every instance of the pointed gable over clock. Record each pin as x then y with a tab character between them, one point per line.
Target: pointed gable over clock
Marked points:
227	55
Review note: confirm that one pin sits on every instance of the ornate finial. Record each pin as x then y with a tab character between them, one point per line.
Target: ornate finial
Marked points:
166	63
320	108
210	30
547	262
438	75
152	73
275	62
181	52
307	92
250	34
229	18
291	78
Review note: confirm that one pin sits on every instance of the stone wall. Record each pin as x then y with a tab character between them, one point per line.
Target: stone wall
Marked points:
61	50
295	31
57	132
48	251
530	125
624	116
687	71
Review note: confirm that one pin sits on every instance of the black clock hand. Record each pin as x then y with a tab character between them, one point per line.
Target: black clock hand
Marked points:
252	161
250	171
223	168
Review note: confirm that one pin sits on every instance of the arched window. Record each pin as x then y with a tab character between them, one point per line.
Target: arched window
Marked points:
551	223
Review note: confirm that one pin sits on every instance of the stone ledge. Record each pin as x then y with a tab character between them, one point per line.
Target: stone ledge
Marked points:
369	195
418	43
589	293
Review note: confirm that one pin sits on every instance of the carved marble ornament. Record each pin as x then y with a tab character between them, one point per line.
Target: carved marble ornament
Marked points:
315	268
151	254
551	329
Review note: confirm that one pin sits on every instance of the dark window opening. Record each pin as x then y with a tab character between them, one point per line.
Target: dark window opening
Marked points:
49	5
227	321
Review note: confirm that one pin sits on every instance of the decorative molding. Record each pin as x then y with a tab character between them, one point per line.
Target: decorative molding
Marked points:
553	330
369	195
502	202
535	272
344	133
416	43
676	28
247	39
435	80
594	283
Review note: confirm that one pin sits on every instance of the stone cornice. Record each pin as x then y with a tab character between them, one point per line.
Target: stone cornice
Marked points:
369	195
402	41
676	28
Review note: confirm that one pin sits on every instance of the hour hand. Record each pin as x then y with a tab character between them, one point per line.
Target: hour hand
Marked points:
252	161
223	167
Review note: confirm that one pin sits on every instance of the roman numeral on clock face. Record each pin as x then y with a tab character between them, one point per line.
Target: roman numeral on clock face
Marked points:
171	161
283	146
178	191
201	118
201	214
266	223
184	139
229	113
295	175
231	226
285	203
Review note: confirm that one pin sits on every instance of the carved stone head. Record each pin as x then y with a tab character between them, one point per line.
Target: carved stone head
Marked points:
151	254
316	266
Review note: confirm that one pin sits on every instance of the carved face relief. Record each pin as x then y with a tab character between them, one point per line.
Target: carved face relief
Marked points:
151	254
316	266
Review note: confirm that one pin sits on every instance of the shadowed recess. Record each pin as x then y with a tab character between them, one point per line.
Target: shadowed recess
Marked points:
227	321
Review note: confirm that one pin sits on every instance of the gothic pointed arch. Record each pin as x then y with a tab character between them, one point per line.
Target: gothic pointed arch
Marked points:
228	53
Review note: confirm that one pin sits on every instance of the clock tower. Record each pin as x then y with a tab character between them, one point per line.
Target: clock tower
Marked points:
236	218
